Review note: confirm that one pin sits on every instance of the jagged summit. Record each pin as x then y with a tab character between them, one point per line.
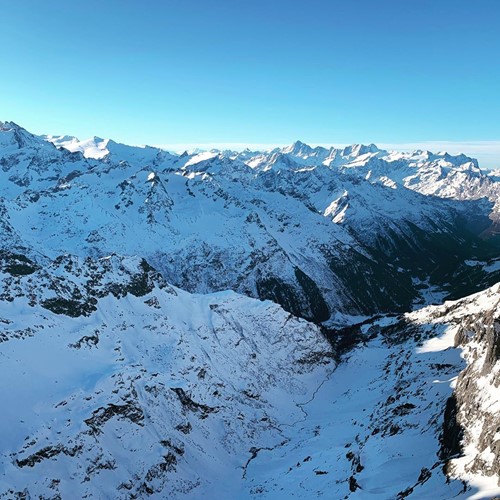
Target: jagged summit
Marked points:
14	135
5	126
297	147
302	149
97	148
359	150
11	127
359	197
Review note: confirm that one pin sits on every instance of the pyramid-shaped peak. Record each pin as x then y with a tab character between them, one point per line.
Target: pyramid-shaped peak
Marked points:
298	147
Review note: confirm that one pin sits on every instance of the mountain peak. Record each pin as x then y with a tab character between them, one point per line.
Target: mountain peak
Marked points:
15	134
335	247
359	149
298	147
299	144
7	126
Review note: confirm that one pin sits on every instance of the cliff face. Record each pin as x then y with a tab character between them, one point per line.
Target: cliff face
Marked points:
477	398
470	433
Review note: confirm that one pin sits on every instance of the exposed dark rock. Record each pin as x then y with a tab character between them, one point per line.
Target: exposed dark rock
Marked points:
68	307
353	484
88	340
317	305
465	409
403	409
452	434
48	452
100	416
184	428
167	465
189	404
16	264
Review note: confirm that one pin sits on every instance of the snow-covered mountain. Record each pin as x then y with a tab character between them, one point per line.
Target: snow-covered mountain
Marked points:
146	389
139	363
387	424
324	233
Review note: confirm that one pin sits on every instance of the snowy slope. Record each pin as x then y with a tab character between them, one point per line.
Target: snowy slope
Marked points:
90	148
151	389
375	428
119	385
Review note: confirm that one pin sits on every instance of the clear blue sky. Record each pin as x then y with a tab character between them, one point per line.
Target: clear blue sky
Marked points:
261	71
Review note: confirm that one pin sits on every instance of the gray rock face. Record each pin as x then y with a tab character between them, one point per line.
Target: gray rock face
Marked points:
477	395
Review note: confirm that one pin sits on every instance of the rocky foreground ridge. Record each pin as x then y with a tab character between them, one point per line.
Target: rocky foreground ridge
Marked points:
138	388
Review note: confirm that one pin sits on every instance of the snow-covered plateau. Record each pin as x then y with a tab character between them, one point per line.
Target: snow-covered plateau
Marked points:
294	323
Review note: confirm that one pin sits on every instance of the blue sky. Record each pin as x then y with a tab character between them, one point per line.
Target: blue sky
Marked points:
259	72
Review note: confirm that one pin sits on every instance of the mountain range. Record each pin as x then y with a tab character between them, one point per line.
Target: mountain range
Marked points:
257	324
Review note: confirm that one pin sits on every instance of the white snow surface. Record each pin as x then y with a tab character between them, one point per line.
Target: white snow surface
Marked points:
175	394
94	147
90	404
93	406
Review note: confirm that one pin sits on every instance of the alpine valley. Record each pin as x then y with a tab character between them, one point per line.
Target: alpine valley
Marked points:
295	323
